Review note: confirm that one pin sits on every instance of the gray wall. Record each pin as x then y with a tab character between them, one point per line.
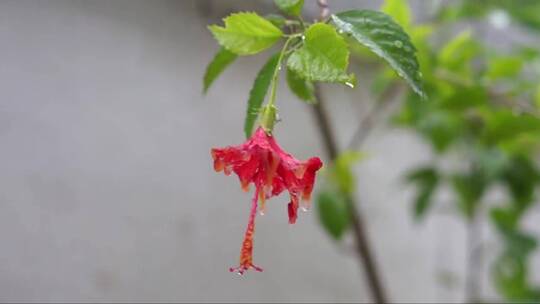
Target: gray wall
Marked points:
107	189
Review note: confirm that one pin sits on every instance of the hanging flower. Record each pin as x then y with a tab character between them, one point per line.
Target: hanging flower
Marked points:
261	161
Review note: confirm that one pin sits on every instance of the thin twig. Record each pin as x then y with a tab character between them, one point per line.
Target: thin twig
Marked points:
362	243
367	124
363	248
324	9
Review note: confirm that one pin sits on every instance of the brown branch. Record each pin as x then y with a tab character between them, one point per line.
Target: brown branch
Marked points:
363	248
324	9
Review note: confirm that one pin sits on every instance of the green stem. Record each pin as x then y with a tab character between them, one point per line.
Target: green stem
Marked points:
278	68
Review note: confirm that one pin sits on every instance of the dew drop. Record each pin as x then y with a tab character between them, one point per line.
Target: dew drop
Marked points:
340	31
350	85
304	209
398	44
419	74
261	213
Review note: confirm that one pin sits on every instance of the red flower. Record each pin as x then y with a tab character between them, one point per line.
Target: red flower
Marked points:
262	162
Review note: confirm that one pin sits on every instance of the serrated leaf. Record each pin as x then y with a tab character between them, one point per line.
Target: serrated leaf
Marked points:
383	36
291	7
258	93
399	10
332	213
246	33
323	57
221	61
303	89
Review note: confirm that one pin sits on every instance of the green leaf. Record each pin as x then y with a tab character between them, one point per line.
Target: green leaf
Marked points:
246	33
383	36
504	67
221	61
258	93
341	173
323	57
333	215
399	10
457	54
521	178
470	187
505	218
426	180
303	89
291	7
277	20
537	97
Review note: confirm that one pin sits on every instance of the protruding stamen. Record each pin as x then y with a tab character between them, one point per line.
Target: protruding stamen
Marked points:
246	252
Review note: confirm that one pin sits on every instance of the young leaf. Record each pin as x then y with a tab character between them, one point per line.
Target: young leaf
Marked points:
399	10
291	7
258	93
383	36
323	57
333	213
221	61
246	33
303	89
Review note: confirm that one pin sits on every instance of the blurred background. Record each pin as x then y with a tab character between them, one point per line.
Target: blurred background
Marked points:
108	191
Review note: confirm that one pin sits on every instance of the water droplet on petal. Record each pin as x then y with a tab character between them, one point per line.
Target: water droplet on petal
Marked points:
261	213
350	85
304	209
398	44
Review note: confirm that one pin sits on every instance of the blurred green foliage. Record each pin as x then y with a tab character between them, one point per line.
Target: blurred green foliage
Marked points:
483	106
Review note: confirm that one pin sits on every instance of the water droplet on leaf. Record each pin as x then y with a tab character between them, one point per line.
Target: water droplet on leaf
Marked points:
398	44
350	85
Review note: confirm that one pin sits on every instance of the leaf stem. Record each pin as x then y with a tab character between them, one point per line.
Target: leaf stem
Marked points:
278	68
